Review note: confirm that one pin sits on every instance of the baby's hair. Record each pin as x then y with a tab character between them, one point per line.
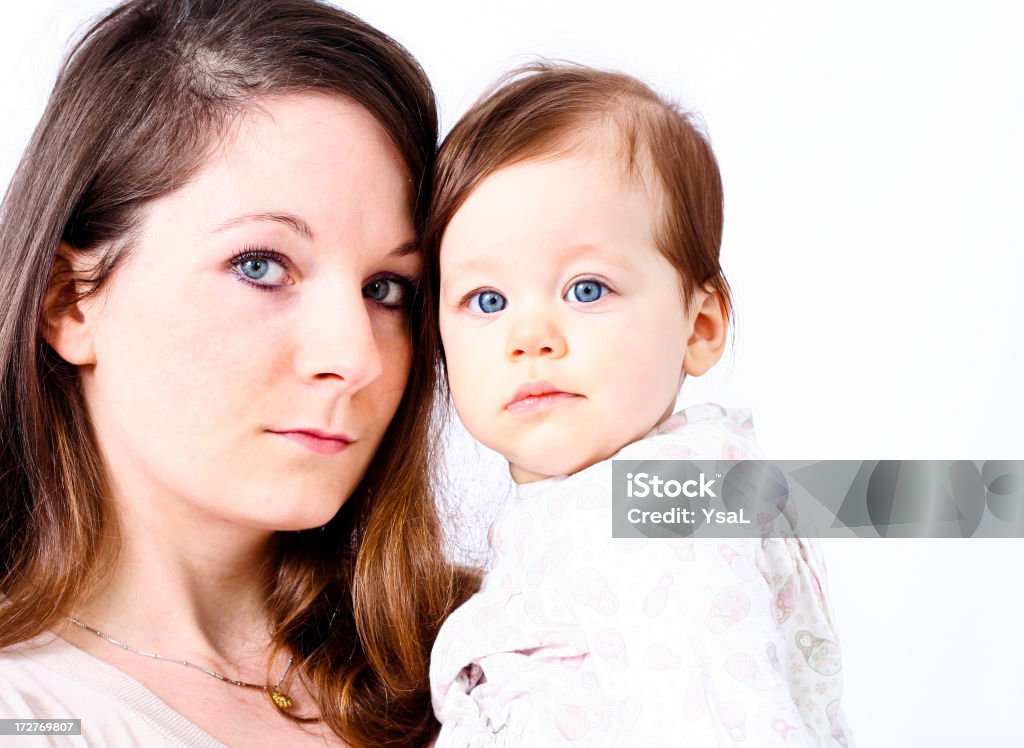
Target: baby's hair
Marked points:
549	109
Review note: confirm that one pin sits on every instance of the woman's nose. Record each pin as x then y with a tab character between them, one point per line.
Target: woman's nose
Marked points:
536	336
338	341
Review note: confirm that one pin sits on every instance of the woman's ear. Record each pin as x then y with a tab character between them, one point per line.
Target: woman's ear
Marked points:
68	324
707	341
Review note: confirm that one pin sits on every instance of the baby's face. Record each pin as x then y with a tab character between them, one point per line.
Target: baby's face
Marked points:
563	326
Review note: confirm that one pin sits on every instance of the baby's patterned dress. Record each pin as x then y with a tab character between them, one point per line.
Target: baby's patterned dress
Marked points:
580	638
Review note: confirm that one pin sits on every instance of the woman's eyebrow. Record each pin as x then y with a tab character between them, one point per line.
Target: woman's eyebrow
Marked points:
302	228
410	247
290	220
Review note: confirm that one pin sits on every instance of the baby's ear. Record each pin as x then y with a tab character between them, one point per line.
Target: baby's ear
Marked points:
68	324
707	341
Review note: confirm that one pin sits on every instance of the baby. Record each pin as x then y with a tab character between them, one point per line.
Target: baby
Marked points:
576	234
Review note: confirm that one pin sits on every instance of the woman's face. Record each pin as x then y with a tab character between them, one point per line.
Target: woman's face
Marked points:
248	357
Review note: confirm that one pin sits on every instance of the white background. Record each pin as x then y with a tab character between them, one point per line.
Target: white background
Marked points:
872	155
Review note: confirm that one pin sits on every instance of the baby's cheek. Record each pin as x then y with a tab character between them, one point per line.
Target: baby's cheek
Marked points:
470	374
639	402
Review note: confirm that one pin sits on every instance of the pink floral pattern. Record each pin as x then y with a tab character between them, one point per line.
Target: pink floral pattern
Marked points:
580	638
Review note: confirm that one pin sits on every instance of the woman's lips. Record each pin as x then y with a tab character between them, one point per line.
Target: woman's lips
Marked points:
316	441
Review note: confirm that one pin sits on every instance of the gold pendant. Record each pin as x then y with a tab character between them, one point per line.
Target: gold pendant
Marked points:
282	700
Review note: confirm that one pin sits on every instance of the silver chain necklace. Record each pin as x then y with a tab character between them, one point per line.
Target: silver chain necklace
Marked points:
281	699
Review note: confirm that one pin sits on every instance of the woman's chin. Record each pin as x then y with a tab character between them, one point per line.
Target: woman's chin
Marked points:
295	517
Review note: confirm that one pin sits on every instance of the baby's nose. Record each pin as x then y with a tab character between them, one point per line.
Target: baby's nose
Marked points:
536	337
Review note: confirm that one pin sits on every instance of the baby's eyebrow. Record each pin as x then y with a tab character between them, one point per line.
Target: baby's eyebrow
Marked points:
564	255
597	251
451	273
469	265
454	275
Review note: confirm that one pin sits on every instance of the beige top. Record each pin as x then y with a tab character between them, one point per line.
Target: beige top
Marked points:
48	678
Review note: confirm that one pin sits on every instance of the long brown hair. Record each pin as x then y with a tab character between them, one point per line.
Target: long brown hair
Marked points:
549	108
138	104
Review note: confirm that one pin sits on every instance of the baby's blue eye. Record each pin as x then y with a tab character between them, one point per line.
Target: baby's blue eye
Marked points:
487	302
586	291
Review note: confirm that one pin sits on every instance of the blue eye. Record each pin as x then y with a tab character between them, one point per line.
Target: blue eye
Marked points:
586	291
261	268
487	302
254	269
388	292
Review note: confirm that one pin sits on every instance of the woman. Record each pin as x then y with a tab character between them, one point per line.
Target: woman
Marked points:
216	385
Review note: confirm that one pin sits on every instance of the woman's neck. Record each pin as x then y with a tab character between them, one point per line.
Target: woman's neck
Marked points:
185	584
